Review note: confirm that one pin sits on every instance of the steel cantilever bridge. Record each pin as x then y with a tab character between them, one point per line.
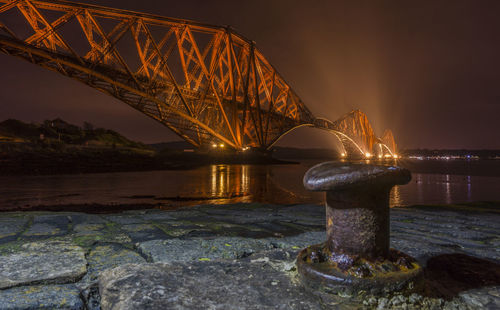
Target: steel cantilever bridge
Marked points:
208	84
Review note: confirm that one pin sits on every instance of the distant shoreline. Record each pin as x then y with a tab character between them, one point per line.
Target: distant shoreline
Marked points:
74	160
80	160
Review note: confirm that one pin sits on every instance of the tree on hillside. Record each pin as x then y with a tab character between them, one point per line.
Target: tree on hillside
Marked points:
88	126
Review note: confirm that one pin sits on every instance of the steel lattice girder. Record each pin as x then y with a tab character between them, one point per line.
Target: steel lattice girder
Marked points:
207	83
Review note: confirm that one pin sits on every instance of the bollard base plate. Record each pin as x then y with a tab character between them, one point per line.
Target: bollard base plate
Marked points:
326	272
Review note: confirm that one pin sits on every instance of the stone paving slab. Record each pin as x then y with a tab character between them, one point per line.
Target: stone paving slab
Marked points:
100	258
157	216
77	248
485	298
88	228
64	297
42	262
175	250
40	230
107	256
82	218
10	228
201	285
123	219
143	232
47	225
176	229
298	242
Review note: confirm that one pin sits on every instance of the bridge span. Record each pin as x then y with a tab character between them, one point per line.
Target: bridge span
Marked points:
207	83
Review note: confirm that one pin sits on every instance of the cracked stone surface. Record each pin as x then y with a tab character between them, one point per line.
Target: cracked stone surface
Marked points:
175	250
42	262
54	260
100	258
46	230
41	297
11	227
107	256
486	298
201	285
47	226
144	232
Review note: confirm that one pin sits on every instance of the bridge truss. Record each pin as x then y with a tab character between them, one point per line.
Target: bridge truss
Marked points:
207	83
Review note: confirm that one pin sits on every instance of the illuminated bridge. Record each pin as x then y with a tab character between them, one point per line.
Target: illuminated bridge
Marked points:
208	84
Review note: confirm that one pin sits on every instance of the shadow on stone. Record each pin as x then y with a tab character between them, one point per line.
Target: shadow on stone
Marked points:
448	275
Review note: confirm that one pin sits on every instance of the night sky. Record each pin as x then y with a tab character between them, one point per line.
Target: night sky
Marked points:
428	70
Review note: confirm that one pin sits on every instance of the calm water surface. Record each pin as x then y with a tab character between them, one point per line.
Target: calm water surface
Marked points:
218	184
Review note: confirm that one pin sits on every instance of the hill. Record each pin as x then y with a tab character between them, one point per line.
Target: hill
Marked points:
60	131
56	146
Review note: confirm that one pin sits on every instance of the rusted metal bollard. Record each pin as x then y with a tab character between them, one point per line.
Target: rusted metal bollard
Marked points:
356	255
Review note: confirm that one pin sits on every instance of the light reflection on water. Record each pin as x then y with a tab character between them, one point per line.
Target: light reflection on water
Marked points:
218	184
395	199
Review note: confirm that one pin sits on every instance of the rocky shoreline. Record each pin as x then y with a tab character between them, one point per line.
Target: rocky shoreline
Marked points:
239	256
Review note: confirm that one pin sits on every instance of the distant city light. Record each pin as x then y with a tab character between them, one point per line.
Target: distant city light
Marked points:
395	156
368	155
343	154
214	145
380	156
221	145
445	157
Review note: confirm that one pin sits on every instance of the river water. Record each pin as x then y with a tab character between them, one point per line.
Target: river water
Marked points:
463	181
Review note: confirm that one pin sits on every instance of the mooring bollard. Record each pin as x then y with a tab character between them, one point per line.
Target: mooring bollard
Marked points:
356	255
